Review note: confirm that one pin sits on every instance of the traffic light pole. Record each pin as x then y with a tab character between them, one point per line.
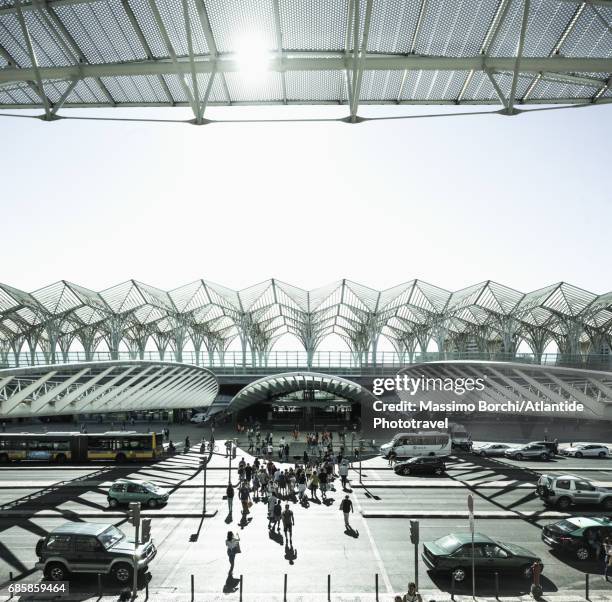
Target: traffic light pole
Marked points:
135	570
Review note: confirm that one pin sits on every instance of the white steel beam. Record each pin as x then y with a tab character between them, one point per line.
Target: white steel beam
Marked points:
210	41
180	72
519	55
194	76
290	62
39	404
30	46
358	75
8	406
64	402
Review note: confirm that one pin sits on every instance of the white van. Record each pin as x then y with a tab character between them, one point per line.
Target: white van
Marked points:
198	418
425	443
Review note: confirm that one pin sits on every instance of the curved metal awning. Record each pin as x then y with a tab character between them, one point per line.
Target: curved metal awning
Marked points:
271	387
101	387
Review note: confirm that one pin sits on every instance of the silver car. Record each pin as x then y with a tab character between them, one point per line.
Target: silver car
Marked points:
587	450
492	449
528	451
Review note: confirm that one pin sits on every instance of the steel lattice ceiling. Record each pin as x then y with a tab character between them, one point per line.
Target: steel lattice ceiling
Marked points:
95	53
211	316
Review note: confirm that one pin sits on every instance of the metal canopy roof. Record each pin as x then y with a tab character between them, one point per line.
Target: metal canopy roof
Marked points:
94	387
271	387
96	53
486	316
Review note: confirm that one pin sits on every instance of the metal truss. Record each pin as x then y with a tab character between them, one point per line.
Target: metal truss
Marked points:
526	382
487	318
284	384
58	54
102	387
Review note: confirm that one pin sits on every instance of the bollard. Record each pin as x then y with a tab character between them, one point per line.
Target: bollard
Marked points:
586	586
376	585
192	588
452	587
100	584
146	590
497	586
240	588
328	588
285	589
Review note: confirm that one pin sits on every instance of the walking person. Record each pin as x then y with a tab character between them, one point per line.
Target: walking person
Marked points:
276	516
346	506
608	556
245	498
314	484
343	472
288	522
229	492
272	499
232	543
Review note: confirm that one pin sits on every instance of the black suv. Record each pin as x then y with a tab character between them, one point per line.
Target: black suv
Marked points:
421	465
91	548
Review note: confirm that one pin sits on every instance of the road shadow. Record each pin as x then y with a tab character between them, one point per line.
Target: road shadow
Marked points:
276	536
231	584
509	584
350	532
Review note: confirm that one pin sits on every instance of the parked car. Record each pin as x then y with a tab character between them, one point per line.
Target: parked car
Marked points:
565	490
586	450
577	535
528	451
491	449
423	465
199	418
147	493
91	548
453	554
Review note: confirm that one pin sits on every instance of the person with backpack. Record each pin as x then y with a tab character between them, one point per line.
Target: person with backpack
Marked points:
245	497
288	522
314	484
276	515
346	506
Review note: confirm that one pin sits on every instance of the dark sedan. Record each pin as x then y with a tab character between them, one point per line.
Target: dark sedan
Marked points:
421	465
453	554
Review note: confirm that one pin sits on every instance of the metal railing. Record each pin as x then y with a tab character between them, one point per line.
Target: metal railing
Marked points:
335	362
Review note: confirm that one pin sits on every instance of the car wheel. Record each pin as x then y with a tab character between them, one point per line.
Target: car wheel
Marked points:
544	456
4	459
578	454
607	503
405	471
438	471
519	456
56	571
112	502
152	503
602	454
120	458
527	571
582	553
458	574
122	573
563	503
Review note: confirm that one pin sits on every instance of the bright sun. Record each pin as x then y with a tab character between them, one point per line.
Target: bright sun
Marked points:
252	54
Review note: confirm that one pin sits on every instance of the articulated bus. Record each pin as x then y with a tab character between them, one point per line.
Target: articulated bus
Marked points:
60	447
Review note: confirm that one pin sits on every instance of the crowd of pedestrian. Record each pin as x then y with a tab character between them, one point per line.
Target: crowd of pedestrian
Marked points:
302	482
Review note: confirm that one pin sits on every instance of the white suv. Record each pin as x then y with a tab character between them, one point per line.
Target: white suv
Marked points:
566	490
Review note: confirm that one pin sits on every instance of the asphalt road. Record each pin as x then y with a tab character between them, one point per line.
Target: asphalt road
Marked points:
188	545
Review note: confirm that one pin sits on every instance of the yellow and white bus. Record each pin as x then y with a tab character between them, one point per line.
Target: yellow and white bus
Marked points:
60	447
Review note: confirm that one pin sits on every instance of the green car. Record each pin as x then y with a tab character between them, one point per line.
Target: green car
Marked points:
125	491
453	554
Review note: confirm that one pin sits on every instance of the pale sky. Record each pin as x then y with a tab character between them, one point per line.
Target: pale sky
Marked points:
524	200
